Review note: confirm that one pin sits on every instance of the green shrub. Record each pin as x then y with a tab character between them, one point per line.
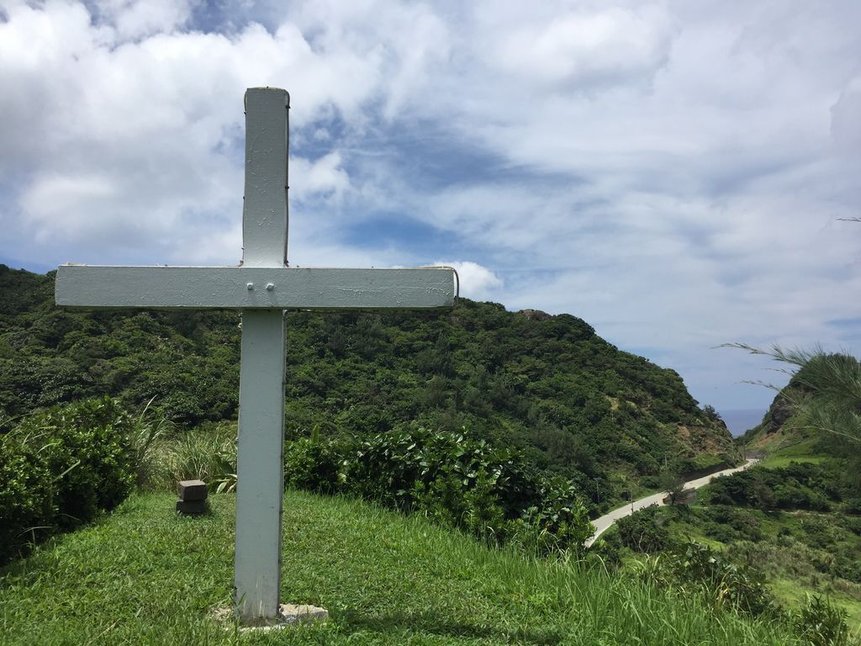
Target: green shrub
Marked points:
819	532
451	477
853	524
722	581
88	452
313	465
644	531
727	524
847	567
853	506
696	569
26	495
796	486
59	467
557	523
820	623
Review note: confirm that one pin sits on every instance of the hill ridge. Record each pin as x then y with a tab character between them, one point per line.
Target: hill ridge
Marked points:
545	383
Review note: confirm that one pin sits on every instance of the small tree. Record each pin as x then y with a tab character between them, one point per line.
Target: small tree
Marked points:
711	413
672	481
644	531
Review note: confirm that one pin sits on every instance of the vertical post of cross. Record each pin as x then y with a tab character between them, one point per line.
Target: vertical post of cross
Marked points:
260	477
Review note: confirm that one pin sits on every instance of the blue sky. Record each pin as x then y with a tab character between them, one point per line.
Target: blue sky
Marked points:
675	173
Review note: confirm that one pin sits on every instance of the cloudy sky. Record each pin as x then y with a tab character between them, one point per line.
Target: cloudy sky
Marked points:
673	172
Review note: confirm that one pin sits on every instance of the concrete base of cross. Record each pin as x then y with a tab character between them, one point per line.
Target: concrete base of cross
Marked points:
289	614
292	614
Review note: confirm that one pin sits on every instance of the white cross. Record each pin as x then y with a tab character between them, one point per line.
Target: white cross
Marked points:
262	287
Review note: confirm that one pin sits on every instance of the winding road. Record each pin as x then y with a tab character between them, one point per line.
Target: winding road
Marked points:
603	523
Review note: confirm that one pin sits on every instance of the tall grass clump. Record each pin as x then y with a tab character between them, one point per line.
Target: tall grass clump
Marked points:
151	427
820	623
207	452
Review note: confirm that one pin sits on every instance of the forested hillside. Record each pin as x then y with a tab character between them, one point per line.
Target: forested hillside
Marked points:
545	384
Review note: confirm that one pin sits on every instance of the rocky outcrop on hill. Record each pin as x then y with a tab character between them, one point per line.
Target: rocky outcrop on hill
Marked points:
535	315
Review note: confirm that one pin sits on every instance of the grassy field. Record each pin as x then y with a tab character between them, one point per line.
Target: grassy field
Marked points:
145	575
793	450
797	445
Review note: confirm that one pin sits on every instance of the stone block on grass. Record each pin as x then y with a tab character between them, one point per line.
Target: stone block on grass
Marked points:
190	490
191	507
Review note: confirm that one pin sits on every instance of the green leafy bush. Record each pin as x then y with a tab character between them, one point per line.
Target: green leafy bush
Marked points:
796	486
313	465
58	468
26	495
721	580
727	524
556	524
822	624
697	569
644	531
453	478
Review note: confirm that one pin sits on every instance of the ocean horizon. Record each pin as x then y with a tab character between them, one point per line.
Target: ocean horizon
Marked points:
740	420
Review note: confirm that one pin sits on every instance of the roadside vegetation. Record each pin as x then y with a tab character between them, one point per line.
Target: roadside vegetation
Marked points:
792	524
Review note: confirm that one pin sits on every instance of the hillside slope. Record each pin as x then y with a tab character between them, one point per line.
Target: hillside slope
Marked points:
546	384
815	414
385	579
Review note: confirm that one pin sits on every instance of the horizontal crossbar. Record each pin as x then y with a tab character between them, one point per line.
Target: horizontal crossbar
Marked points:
285	288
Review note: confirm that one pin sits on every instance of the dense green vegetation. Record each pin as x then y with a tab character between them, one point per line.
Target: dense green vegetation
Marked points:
384	578
799	485
60	468
491	492
511	426
571	403
787	556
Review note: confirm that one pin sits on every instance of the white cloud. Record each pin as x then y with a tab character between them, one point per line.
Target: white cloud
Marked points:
135	19
474	280
324	176
672	172
580	48
119	144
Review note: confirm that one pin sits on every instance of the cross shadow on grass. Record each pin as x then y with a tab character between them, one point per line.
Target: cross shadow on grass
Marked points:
434	623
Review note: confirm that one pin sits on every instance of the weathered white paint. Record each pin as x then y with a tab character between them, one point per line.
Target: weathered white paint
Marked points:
228	287
260	445
264	213
262	287
259	468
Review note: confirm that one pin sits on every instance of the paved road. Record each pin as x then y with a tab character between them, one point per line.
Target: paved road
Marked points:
603	523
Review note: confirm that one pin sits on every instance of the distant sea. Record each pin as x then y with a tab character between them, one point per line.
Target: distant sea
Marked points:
741	419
